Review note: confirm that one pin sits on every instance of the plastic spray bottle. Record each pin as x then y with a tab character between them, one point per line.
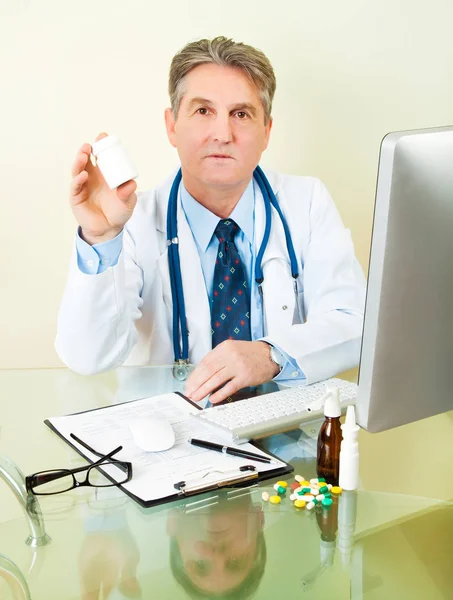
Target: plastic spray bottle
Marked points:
349	454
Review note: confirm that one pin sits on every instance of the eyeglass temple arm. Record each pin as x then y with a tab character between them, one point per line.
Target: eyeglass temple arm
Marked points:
85	445
53	475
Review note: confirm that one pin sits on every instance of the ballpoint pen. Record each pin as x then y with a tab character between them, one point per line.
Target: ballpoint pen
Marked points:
228	450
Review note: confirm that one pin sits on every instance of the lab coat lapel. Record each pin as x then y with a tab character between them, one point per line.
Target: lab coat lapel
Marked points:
278	286
195	297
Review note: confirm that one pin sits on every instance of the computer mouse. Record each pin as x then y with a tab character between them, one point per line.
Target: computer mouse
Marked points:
152	434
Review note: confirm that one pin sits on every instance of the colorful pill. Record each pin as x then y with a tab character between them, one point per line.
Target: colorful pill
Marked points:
308	497
265	496
279	489
305	483
310	505
324	489
299	504
305	490
293	497
282	484
336	489
314	480
327	502
298	478
320	497
321	480
314	491
329	485
294	485
275	499
327	495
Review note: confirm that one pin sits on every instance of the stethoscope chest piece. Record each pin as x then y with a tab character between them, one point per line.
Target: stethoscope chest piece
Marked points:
181	369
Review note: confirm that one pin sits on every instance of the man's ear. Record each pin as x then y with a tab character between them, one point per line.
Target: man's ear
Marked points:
173	522
268	132
170	124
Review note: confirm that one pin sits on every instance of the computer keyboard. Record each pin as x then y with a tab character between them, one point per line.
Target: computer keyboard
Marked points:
276	412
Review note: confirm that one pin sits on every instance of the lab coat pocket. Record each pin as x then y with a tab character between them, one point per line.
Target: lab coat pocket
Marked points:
279	301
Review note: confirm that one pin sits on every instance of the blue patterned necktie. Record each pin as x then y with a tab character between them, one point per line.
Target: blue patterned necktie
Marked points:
230	308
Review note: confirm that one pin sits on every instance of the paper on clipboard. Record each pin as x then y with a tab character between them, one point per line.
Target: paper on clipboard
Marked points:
155	473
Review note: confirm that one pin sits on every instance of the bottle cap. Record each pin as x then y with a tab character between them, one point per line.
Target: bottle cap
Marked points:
350	426
332	406
103	144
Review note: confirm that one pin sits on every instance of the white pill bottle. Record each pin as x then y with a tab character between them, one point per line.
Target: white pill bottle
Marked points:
113	161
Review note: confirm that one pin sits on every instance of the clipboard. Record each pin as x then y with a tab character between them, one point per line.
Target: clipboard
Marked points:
206	480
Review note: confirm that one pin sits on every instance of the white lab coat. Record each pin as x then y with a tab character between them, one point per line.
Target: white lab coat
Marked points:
124	315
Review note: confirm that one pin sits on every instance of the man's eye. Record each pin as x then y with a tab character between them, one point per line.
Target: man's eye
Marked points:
235	564
203	567
242	115
202	111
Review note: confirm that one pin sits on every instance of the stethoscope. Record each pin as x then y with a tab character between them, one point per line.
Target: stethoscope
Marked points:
181	348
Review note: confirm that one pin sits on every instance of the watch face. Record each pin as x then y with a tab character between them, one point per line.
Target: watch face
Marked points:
277	357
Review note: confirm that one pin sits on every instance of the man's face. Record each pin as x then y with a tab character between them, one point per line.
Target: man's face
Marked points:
220	132
218	547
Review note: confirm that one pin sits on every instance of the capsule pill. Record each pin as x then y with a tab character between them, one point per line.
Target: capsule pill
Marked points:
265	496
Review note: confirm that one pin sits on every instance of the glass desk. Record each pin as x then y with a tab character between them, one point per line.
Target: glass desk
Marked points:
391	539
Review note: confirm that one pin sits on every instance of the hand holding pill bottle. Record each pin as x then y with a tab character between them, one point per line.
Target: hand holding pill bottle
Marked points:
101	211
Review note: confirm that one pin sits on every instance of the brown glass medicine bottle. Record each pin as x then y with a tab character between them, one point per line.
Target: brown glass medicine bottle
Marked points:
329	439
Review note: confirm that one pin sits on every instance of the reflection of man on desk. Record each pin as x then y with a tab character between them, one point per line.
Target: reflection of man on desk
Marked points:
218	551
289	311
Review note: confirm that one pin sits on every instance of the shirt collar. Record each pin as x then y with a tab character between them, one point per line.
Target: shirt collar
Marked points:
203	222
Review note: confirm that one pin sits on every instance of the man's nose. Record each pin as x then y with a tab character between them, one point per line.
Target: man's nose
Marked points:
222	131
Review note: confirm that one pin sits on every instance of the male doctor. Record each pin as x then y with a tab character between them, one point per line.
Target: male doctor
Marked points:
117	306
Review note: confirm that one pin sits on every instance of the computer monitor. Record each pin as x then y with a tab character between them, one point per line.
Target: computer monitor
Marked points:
406	366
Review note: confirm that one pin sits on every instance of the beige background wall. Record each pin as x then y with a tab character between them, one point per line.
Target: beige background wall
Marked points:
348	72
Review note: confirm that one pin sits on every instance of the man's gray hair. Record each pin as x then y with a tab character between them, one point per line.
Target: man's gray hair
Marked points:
227	53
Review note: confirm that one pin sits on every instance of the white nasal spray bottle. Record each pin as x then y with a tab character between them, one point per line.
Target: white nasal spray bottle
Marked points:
349	453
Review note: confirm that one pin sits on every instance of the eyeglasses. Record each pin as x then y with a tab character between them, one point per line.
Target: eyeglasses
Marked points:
105	472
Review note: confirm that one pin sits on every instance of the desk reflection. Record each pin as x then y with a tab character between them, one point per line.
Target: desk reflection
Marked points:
218	549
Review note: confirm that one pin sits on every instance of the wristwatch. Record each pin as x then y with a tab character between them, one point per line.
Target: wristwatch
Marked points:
276	356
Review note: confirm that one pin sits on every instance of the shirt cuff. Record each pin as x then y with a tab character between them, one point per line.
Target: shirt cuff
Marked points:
291	372
96	259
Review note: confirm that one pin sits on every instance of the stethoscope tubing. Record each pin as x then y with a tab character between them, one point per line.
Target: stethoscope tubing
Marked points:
179	320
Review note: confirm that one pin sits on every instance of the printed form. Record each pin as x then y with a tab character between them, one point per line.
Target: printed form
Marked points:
155	473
